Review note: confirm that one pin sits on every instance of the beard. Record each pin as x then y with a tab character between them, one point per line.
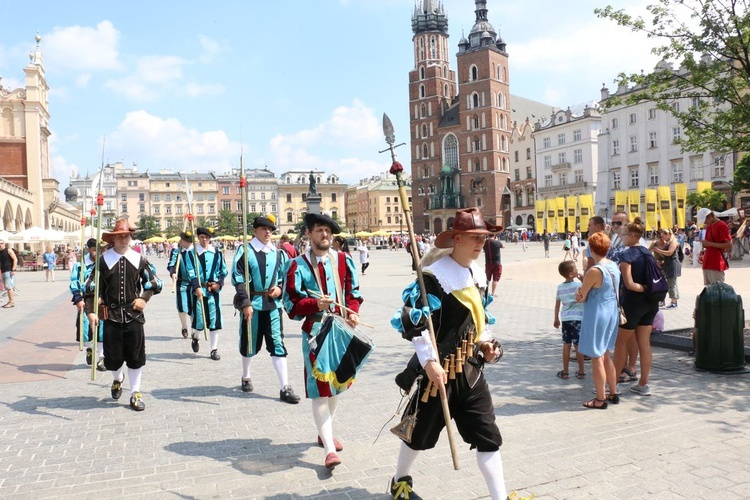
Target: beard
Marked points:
321	246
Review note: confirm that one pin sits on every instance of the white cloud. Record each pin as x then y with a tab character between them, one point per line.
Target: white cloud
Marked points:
193	89
211	48
62	170
157	143
83	80
83	47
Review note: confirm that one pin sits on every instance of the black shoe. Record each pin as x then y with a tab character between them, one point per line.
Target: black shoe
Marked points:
136	402
247	385
402	489
116	389
100	365
613	398
196	347
288	396
184	333
215	355
89	356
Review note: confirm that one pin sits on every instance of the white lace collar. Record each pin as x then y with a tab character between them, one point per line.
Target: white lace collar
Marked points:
309	254
111	257
260	246
200	249
87	260
453	276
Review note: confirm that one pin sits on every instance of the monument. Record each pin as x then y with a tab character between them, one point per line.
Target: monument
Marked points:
313	197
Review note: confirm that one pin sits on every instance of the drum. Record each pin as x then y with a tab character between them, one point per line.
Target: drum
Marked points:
338	352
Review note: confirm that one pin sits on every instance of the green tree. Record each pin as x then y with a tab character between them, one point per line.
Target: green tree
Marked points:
173	230
742	175
709	42
227	223
148	227
707	198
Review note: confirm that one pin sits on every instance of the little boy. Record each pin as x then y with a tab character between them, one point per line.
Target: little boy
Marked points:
571	316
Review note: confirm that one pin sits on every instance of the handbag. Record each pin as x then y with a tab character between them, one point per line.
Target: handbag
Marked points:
623	319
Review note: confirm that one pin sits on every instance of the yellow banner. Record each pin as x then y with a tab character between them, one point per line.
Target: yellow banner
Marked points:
571	212
551	215
651	209
680	193
560	214
621	201
586	202
665	207
634	203
539	222
701	186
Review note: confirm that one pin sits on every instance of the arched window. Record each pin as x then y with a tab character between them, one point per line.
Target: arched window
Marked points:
505	74
475	121
425	173
433	48
422	111
503	122
445	87
421	73
475	142
421	91
450	151
425	152
519	220
424	131
474	100
473	74
420	191
445	71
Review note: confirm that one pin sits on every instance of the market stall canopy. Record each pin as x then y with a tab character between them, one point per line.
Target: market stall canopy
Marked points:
380	232
38	235
363	234
155	239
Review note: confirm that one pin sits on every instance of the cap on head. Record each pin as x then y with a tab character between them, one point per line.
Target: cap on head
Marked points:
205	231
702	214
468	220
312	219
265	221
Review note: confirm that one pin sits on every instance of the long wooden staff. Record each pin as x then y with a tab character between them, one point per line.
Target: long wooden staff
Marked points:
100	213
397	169
179	255
81	274
243	192
190	217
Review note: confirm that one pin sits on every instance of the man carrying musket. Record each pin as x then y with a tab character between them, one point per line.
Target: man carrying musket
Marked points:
127	281
310	287
77	289
181	268
457	297
211	269
259	301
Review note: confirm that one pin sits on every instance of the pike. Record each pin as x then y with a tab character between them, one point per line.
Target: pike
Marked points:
99	214
243	192
397	169
191	218
179	257
81	272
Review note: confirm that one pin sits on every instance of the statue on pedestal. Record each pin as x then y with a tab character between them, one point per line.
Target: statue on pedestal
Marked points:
313	189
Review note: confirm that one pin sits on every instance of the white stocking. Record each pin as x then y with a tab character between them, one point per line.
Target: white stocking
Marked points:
100	349
246	368
183	320
279	364
406	458
118	375
491	465
333	402
323	422
214	338
134	376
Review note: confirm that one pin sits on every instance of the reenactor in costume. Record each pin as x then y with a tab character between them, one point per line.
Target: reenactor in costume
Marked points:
310	288
457	294
127	281
181	268
259	301
77	289
212	269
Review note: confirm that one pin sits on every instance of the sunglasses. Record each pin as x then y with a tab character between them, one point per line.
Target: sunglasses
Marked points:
617	223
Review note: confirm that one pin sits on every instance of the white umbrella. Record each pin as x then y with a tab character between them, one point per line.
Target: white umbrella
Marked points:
37	235
5	235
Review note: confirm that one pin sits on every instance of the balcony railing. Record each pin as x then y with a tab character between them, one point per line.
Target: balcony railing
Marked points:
564	187
560	166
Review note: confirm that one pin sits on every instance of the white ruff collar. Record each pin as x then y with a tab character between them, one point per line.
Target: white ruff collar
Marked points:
87	260
323	258
453	276
111	257
261	247
200	249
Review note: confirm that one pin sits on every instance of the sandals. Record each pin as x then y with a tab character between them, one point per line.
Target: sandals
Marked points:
580	375
613	398
9	305
627	376
596	404
562	374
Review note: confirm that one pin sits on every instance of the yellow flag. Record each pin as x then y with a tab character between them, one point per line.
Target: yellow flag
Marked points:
621	201
551	215
680	193
586	202
665	207
701	186
634	203
560	214
571	212
651	209
539	222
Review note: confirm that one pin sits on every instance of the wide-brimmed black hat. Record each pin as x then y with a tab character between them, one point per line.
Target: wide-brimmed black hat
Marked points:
312	219
206	231
186	235
263	221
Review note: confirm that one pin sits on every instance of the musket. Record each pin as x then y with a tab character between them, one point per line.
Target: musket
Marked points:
190	217
397	169
100	213
81	273
243	193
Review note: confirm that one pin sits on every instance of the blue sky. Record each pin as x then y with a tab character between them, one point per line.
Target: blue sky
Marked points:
295	84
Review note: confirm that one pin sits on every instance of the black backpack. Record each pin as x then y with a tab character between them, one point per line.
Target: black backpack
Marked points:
656	283
680	253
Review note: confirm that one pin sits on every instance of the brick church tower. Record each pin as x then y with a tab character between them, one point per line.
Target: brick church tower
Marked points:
460	134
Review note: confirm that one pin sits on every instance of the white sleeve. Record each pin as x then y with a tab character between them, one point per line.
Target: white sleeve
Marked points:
423	347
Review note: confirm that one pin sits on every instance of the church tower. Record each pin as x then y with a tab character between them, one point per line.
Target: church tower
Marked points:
484	91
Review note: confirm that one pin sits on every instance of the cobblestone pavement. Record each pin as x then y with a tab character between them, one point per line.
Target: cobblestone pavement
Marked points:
62	436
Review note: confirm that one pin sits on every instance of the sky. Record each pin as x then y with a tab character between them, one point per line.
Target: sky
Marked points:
295	84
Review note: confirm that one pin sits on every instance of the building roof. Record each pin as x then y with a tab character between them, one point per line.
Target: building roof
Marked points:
522	108
451	117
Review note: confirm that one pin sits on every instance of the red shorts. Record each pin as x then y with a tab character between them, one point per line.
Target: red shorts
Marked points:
494	272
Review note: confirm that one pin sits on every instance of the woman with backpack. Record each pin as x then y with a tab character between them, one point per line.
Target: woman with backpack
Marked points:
669	248
638	302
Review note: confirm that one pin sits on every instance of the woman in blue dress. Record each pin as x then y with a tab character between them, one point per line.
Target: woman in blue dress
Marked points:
50	260
600	320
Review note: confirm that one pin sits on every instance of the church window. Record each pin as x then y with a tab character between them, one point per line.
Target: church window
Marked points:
424	173
433	49
445	87
476	143
450	151
422	112
424	151
474	100
445	71
503	122
421	73
473	74
424	131
475	121
421	91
